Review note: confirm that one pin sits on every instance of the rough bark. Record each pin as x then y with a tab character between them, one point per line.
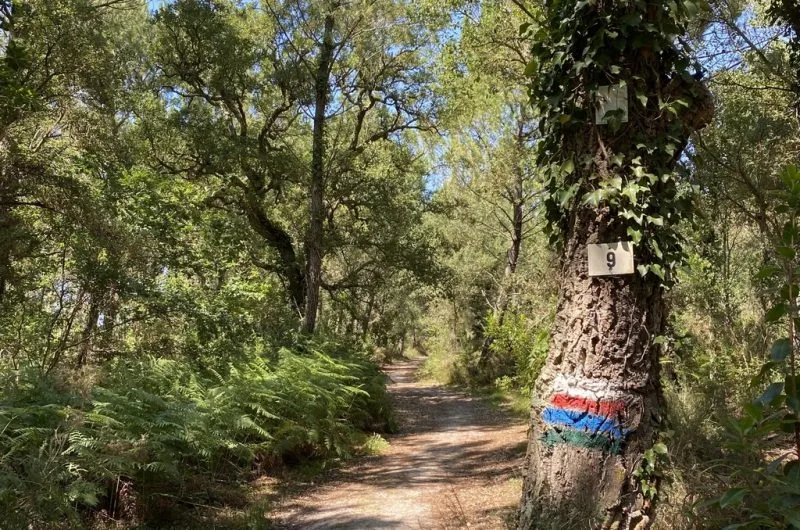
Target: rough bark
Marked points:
601	346
596	404
314	240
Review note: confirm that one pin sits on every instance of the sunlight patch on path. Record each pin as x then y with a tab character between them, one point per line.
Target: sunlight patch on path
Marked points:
456	462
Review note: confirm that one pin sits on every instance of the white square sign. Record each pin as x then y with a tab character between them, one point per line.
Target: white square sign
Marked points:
611	98
607	259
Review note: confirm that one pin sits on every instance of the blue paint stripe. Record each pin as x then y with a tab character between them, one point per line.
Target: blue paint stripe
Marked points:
583	421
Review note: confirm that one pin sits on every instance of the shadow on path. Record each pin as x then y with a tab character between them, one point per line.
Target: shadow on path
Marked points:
455	461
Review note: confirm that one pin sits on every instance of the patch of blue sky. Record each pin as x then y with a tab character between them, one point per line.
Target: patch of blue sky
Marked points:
155	5
724	45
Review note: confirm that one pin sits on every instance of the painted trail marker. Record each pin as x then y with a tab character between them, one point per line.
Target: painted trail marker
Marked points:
608	259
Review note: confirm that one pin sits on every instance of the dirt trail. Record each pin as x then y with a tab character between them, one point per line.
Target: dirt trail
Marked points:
455	463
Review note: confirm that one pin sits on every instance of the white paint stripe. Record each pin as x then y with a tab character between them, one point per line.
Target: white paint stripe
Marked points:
595	389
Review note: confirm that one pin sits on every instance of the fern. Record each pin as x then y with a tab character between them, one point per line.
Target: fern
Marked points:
157	421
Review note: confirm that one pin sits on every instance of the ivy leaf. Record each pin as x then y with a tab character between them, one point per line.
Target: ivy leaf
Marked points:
658	270
780	350
615	183
630	191
567	167
593	198
776	313
656	249
768	271
635	235
773	391
565	196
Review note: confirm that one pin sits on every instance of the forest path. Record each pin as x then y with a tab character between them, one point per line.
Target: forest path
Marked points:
455	463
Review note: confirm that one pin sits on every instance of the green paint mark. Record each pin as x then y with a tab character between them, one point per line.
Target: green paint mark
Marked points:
582	439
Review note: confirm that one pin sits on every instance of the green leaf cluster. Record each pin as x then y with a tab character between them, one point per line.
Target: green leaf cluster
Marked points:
576	50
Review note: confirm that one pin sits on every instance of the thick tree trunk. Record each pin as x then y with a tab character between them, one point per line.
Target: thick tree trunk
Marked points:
596	404
317	199
602	363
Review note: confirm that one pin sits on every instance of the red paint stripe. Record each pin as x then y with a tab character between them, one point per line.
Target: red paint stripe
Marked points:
602	408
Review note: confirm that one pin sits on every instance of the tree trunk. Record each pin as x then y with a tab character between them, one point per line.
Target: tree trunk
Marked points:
88	330
602	362
288	267
512	255
5	252
516	194
486	371
317	199
596	404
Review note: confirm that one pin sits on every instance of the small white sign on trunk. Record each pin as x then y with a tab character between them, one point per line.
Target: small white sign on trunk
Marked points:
607	259
611	98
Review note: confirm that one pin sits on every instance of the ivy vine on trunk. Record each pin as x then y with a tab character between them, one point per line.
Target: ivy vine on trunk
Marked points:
596	409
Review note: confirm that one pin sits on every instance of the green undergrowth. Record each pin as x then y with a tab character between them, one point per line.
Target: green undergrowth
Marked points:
500	364
503	395
151	433
448	368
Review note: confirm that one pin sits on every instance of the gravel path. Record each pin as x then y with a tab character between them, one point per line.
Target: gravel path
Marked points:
456	463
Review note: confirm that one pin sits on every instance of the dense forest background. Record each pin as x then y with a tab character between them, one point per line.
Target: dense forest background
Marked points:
217	218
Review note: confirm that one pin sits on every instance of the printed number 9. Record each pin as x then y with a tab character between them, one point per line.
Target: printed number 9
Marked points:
611	260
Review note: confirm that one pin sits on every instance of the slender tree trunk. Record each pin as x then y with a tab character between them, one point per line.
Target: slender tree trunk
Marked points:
488	368
88	329
5	251
289	267
516	193
367	315
317	209
512	255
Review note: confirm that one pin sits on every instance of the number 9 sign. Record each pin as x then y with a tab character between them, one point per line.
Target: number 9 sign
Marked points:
608	259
